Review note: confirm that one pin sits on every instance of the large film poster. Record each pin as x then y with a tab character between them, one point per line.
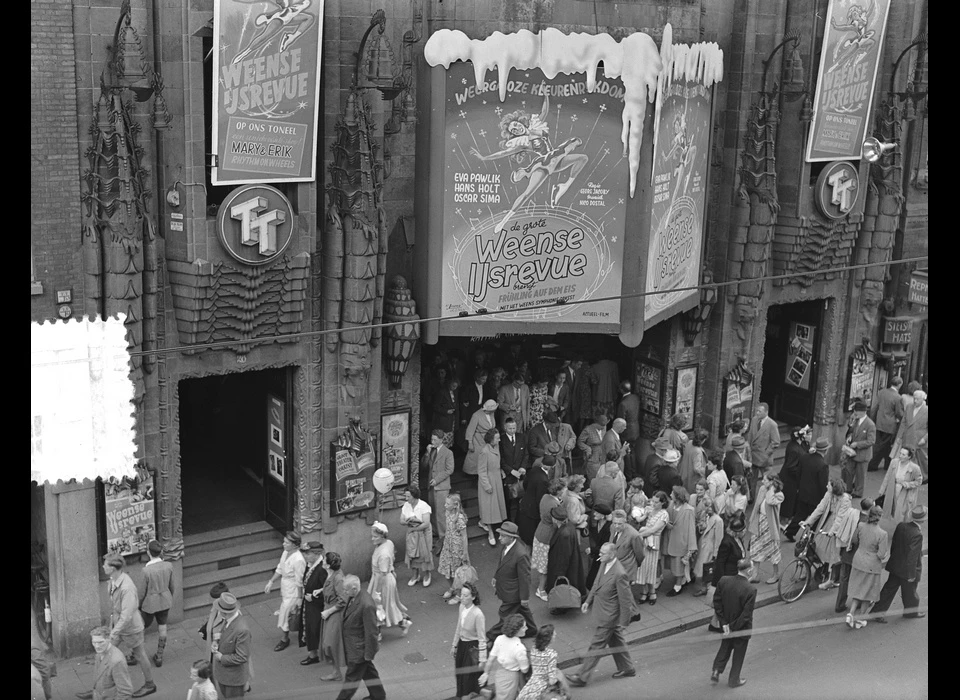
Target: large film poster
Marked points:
534	198
266	66
679	195
852	44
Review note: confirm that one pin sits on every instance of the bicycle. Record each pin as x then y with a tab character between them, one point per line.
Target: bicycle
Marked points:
802	571
40	595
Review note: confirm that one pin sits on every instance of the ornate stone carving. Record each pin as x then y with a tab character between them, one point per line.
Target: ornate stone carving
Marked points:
401	338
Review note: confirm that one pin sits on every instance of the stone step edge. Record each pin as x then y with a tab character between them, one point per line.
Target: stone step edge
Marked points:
229	532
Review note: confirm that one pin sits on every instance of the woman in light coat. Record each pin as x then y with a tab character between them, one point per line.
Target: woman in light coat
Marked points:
913	429
765	527
827	519
873	551
901	486
693	463
708	546
680	539
493	507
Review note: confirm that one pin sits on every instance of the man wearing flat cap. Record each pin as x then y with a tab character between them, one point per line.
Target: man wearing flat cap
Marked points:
905	566
857	453
231	653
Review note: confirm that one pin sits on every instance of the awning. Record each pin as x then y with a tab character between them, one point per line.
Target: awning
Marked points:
81	416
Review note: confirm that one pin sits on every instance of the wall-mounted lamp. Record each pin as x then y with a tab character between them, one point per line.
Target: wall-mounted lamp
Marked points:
794	84
377	61
916	91
873	150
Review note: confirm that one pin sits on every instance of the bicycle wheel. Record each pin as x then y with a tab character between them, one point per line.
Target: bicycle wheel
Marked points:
794	580
44	628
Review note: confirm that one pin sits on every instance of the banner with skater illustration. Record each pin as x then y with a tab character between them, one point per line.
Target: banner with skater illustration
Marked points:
534	198
852	46
680	165
266	68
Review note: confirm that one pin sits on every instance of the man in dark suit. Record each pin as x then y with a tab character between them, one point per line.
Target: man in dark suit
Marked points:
905	567
628	548
513	464
511	581
359	629
614	607
231	654
629	410
733	603
861	437
534	487
814	474
733	460
889	412
559	390
438	462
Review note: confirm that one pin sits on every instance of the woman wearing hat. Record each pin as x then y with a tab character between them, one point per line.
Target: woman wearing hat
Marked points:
493	506
790	471
313	580
383	580
331	640
873	551
901	486
563	558
480	422
290	572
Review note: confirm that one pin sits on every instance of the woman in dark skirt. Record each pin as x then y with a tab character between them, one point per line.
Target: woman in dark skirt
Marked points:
313	580
469	648
790	471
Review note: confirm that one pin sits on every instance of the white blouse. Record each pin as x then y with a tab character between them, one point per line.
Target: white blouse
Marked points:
510	653
421	512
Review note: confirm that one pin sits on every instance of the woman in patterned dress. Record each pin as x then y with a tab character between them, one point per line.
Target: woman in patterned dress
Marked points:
651	532
383	581
454	552
539	557
538	399
765	527
543	663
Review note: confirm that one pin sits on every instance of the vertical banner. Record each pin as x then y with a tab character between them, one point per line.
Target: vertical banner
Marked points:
852	45
680	165
266	66
534	199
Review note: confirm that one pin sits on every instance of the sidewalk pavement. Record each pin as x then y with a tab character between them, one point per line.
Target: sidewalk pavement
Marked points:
419	665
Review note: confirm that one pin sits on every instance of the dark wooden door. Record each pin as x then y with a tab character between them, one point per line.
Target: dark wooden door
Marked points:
279	467
791	357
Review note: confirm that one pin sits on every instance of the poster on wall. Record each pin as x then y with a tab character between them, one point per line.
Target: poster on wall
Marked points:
351	478
534	198
276	455
395	445
861	378
737	399
800	355
680	164
649	384
266	67
685	394
852	46
130	513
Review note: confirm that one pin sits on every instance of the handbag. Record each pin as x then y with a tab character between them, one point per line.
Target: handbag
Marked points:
293	618
515	489
563	596
413	542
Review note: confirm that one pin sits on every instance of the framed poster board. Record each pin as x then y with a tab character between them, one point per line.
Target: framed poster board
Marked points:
351	479
861	379
685	394
129	509
276	455
800	355
395	445
737	403
649	386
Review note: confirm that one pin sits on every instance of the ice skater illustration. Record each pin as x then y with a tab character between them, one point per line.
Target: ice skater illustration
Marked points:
528	135
288	23
856	46
686	151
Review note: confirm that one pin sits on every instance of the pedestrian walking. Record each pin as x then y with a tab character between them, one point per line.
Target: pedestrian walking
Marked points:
156	596
858	450
544	533
201	675
469	648
511	581
680	539
735	461
814	476
765	527
510	656
360	641
455	551
334	601
848	527
732	550
612	601
439	465
493	506
673	433
544	674
111	677
693	462
901	486
446	410
826	520
231	652
42	666
905	567
213	628
514	401
913	431
651	532
564	556
126	632
290	574
789	473
418	553
887	416
480	422
613	442
873	551
708	547
764	440
733	603
383	580
311	625
534	488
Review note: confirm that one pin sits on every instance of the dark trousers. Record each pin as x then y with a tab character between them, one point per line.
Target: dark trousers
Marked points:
908	593
854	475
631	461
801	513
844	582
231	691
606	638
881	451
736	645
507	609
363	671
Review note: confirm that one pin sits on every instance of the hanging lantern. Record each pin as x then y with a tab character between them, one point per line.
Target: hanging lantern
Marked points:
793	69
693	320
806	111
400	308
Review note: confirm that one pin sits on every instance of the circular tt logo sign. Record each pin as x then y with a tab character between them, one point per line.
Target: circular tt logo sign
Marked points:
255	224
837	189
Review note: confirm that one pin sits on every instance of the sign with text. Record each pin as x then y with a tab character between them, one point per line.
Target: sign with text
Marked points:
897	331
679	196
351	479
800	355
395	445
266	67
737	404
861	378
852	44
918	294
534	198
130	513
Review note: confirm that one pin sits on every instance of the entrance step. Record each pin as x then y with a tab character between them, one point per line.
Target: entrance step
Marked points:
243	556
